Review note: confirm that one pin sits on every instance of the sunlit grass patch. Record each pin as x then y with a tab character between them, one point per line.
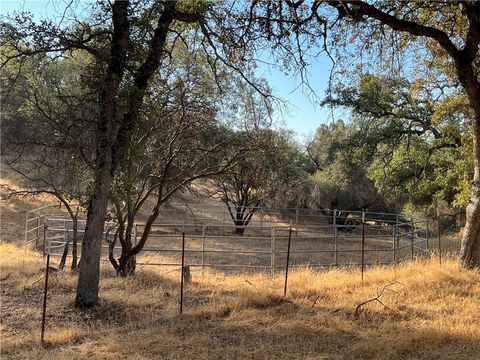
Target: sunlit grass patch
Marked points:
427	311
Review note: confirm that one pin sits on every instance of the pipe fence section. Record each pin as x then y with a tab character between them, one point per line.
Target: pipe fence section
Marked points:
35	221
336	239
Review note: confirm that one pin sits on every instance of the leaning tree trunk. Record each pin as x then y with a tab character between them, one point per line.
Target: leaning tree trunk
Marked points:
470	248
89	277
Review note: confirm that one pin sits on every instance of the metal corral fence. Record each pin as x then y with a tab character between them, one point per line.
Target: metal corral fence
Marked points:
319	238
35	222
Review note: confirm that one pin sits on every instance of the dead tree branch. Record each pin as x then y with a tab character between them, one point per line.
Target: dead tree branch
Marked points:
378	298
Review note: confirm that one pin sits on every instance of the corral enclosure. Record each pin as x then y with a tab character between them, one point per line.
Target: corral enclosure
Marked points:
319	238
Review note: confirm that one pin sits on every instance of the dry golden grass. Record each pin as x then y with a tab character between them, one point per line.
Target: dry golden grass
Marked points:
434	314
12	210
434	311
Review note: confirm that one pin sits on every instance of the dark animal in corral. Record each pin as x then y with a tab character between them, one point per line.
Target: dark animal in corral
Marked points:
352	221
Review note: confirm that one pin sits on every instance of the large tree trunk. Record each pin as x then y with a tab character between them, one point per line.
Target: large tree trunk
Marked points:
113	137
89	277
239	221
470	248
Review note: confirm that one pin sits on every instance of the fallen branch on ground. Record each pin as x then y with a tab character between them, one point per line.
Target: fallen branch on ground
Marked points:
248	282
6	277
377	298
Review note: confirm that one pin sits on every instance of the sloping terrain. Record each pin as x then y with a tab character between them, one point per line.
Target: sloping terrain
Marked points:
425	311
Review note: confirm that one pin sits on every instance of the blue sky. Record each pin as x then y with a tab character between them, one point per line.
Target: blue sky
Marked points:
304	115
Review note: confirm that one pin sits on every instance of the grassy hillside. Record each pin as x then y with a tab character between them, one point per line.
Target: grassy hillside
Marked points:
430	311
433	313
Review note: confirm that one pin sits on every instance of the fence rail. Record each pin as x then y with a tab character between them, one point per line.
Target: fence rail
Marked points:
368	239
329	240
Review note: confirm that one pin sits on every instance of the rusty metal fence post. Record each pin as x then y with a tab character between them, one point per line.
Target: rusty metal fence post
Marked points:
45	294
288	261
181	272
272	252
439	229
394	247
45	228
335	240
203	249
412	240
363	243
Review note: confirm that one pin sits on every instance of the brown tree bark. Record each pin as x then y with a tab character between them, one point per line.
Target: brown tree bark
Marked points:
114	134
470	248
89	277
